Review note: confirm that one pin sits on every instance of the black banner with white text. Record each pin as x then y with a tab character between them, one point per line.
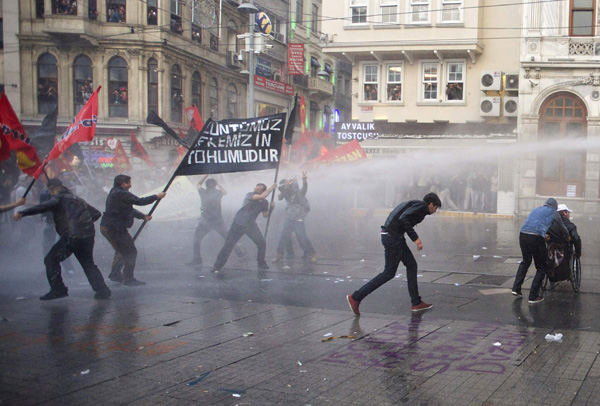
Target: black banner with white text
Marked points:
235	145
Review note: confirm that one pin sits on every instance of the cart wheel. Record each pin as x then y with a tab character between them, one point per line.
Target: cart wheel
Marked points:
576	274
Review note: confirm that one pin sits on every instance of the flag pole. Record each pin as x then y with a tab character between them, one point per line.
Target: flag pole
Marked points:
137	233
34	179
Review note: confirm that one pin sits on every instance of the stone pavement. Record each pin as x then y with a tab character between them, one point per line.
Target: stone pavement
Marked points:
287	337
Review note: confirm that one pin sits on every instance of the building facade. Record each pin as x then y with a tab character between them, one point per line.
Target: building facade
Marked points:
559	105
431	76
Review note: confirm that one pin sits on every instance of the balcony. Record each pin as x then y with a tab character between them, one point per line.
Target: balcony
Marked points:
71	28
320	87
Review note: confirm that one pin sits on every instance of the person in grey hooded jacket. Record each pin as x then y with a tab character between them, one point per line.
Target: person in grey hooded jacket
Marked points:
532	240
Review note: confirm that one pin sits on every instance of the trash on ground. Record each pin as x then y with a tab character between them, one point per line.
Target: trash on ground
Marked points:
497	344
476	256
557	338
285	267
201	377
87	371
333	338
484	248
248	334
20	298
299	363
457	284
362	260
327	335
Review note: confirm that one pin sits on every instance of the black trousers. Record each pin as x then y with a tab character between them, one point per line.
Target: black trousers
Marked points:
532	247
396	251
125	250
235	233
204	227
83	249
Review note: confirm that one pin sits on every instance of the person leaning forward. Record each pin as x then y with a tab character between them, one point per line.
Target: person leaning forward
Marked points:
532	239
117	218
74	220
400	221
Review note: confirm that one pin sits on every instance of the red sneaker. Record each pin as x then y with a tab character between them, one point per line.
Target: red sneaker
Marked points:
421	306
353	304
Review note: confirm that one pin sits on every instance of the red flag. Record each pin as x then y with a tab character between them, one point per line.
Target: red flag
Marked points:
120	160
194	118
81	129
14	138
138	151
349	152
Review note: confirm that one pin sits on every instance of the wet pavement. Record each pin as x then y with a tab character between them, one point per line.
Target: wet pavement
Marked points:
287	336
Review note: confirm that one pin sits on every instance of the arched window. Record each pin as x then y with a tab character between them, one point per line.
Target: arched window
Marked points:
118	88
214	99
153	85
563	117
232	101
83	79
176	94
47	90
197	90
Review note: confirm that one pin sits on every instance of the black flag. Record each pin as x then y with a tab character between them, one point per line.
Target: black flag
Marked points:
235	145
289	129
43	138
153	118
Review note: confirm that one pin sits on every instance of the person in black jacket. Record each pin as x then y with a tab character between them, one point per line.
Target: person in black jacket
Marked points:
117	218
401	220
74	220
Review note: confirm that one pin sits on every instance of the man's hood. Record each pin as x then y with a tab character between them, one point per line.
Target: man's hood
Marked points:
552	203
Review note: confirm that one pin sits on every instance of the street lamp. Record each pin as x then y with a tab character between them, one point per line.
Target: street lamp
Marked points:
250	9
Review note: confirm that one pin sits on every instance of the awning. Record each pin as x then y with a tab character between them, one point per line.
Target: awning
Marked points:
326	108
314	106
328	68
314	62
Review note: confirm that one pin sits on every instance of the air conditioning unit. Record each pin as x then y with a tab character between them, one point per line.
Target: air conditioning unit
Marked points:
511	82
489	107
491	80
279	37
232	60
511	106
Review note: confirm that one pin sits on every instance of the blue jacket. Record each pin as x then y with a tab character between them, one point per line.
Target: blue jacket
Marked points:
540	219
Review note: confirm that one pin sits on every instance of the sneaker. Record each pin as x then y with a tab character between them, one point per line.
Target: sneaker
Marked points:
102	294
116	277
518	294
133	282
421	306
353	304
536	300
215	270
263	265
277	259
54	295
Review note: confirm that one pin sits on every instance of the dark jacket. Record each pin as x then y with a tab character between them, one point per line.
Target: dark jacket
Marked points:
556	235
404	217
73	216
119	208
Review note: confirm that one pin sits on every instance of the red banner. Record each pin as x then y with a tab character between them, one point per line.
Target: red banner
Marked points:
269	84
295	59
194	118
138	151
81	129
349	152
14	138
120	160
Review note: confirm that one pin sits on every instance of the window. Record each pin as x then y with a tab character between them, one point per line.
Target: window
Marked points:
82	81
47	91
419	10
176	12
582	17
452	11
299	11
196	90
455	81
151	10
389	11
116	11
358	11
214	99
370	90
39	8
430	81
176	94
153	85
314	18
232	40
196	30
66	7
232	101
92	10
394	82
118	87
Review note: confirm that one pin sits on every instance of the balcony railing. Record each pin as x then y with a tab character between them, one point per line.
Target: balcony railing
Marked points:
320	85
